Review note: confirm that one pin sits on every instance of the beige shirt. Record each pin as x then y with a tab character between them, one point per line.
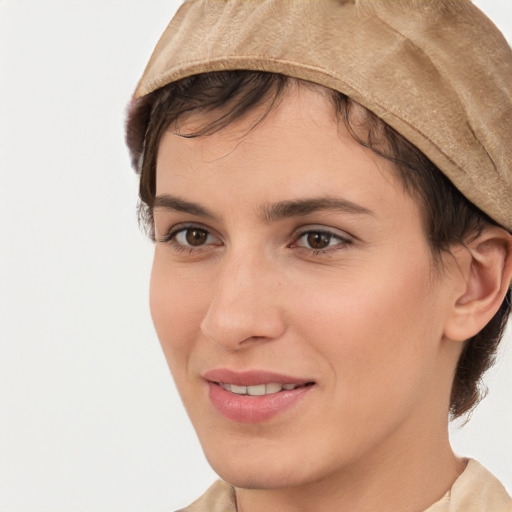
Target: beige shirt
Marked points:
476	490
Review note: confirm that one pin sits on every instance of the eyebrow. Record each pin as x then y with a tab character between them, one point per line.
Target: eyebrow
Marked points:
271	212
177	204
301	207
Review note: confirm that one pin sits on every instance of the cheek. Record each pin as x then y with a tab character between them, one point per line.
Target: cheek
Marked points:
379	332
177	309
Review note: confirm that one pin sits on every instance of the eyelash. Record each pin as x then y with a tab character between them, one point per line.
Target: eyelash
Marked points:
342	241
171	236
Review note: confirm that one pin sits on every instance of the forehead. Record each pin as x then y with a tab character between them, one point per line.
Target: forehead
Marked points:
298	149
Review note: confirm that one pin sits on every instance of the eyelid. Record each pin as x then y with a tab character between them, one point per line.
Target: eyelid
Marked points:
320	228
343	237
170	234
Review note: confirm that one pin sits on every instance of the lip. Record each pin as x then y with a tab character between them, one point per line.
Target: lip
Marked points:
251	377
253	409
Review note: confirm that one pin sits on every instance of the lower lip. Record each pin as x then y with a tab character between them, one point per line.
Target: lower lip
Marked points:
254	409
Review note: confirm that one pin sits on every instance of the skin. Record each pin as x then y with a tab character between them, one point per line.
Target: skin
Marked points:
367	319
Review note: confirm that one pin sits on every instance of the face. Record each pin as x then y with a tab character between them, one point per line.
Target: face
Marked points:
294	296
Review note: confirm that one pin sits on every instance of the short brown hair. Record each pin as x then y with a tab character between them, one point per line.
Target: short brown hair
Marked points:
449	218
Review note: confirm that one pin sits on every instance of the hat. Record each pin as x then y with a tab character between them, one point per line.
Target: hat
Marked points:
437	71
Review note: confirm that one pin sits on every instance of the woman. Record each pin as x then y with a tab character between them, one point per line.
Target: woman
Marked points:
328	186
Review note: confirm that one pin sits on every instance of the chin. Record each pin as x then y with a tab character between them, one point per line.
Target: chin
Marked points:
247	477
259	469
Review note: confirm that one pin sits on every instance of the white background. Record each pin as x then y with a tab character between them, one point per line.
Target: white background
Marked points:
89	419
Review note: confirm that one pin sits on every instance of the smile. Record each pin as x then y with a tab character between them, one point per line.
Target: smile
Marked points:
260	389
254	396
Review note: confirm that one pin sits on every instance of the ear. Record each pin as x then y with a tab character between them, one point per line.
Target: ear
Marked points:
485	274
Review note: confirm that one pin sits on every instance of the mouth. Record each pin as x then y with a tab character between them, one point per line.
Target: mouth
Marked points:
254	396
261	389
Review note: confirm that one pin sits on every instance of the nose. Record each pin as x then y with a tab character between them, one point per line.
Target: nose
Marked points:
245	305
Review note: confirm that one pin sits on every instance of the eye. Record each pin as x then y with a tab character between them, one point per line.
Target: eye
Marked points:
190	238
321	240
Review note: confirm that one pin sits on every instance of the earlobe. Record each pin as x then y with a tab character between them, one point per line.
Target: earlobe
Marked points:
485	266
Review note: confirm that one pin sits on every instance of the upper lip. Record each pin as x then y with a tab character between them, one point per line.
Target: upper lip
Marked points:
250	377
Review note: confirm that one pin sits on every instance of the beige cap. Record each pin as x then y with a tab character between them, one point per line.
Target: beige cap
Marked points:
437	71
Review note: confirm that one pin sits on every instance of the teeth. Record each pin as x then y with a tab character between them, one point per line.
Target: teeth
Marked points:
258	390
272	388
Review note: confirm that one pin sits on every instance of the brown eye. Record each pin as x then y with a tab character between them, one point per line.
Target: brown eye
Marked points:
196	236
318	240
193	237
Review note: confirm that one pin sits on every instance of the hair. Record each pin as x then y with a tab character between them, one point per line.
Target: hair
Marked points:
449	218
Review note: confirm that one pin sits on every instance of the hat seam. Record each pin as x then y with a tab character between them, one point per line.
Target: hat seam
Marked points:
454	91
